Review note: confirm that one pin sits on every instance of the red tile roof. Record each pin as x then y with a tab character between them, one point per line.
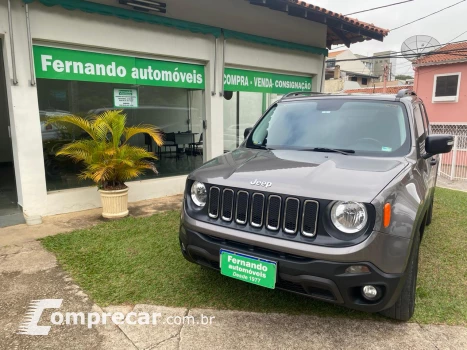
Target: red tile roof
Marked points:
340	29
457	53
335	53
379	90
350	20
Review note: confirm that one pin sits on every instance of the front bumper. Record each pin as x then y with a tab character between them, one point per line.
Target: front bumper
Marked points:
388	253
314	278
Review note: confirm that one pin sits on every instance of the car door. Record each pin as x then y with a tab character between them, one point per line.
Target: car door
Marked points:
432	162
423	167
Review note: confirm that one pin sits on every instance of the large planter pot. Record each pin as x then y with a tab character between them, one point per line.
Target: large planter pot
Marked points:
114	203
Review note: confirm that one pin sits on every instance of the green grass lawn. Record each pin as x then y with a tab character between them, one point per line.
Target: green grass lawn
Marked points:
138	261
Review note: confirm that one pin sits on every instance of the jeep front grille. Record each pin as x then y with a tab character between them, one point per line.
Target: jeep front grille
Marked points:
214	196
257	210
227	204
241	210
272	212
292	206
310	212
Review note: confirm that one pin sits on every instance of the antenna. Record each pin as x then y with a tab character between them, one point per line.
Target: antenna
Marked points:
418	45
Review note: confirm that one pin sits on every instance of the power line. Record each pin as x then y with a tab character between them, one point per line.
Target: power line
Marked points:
457	36
437	52
400	54
419	19
452	52
431	14
436	68
377	8
458	52
437	45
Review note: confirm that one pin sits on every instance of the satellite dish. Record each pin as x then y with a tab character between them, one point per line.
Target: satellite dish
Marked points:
418	45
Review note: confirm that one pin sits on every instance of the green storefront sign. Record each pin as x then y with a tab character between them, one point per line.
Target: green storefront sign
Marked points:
64	64
253	81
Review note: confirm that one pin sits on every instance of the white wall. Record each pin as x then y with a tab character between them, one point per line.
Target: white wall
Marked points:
351	66
241	16
24	121
74	29
66	201
258	57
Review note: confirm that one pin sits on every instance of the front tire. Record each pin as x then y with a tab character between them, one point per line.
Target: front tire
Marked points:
404	307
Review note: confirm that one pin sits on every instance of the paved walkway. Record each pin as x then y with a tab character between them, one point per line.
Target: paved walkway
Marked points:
460	185
53	225
28	272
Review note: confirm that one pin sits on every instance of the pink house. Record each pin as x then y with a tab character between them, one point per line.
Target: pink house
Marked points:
441	81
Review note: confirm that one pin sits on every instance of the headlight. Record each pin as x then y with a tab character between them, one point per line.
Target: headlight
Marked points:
199	194
349	217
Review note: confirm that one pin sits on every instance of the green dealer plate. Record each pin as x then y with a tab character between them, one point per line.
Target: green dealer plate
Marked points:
248	268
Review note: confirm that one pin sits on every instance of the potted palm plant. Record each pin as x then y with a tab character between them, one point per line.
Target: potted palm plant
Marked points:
108	159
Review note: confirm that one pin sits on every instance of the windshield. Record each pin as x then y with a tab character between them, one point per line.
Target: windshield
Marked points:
375	128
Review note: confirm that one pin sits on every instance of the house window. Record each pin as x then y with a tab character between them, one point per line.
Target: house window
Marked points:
364	81
330	63
446	87
353	79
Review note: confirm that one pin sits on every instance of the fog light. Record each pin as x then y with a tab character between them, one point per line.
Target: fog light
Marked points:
370	292
183	246
357	269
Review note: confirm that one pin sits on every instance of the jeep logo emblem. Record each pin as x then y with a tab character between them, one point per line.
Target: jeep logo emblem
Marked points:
261	183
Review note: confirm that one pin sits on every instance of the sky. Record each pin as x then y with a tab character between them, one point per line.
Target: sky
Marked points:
443	26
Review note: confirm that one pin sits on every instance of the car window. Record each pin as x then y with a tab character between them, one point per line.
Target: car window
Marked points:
378	128
426	120
419	120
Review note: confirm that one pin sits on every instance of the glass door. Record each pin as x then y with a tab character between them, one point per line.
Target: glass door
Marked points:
8	192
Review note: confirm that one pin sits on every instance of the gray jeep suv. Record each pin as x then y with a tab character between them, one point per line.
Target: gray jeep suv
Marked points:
328	197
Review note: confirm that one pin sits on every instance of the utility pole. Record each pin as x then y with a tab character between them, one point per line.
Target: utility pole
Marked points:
385	77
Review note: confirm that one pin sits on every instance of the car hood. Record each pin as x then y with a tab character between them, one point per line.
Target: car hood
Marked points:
319	175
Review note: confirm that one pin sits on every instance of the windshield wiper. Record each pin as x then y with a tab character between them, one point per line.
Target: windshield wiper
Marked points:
325	149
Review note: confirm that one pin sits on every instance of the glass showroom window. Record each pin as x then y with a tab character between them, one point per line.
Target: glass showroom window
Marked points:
177	112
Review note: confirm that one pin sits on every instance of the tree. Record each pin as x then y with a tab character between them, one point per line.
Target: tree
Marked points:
108	157
403	77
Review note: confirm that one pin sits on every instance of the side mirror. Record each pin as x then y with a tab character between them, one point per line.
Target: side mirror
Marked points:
228	95
247	132
436	144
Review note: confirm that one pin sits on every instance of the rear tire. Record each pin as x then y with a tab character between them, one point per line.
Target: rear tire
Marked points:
404	307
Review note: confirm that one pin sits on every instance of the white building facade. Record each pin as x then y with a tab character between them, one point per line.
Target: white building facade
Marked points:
201	72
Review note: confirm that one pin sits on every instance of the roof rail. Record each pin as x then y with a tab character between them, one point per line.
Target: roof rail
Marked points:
405	92
301	94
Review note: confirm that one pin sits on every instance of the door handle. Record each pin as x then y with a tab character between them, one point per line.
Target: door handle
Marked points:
433	161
